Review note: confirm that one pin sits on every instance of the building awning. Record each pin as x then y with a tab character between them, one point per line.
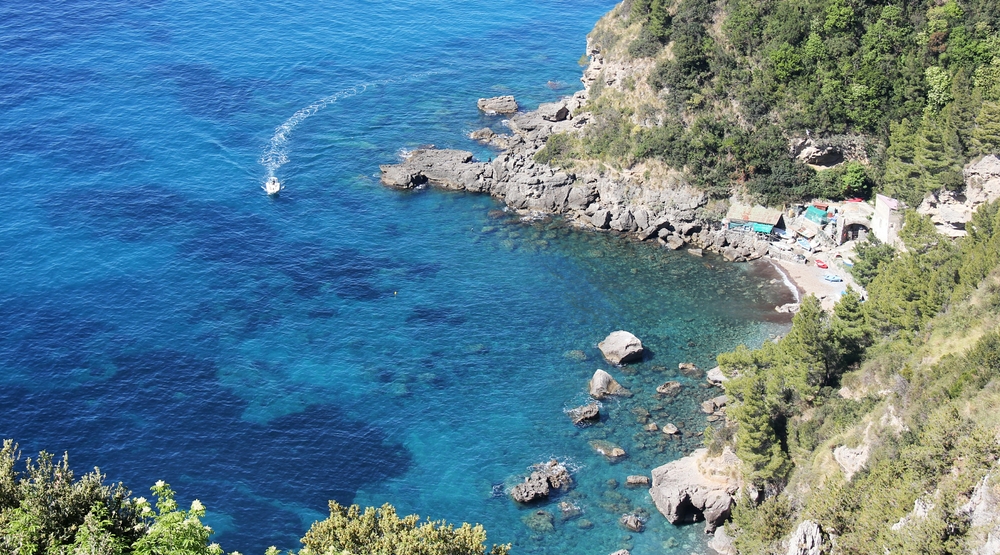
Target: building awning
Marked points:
816	215
753	214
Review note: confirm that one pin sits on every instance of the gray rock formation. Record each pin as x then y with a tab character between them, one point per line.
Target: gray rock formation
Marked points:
620	347
983	515
544	478
637	480
603	385
498	104
633	522
669	389
807	539
586	414
950	210
721	543
716	377
697	487
670	429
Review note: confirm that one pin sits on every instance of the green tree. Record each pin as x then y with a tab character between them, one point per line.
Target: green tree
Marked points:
757	443
381	532
870	256
850	332
937	153
901	171
986	136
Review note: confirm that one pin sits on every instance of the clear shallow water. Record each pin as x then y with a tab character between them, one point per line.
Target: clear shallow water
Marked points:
163	319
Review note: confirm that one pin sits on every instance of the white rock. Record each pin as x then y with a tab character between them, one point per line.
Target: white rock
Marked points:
620	347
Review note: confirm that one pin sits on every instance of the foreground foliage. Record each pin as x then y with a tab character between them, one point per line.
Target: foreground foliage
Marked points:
44	511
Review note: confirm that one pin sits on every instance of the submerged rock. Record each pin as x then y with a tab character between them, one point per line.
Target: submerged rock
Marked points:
620	347
544	478
569	510
540	521
610	450
669	389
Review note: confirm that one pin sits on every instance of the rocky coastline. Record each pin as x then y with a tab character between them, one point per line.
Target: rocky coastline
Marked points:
669	211
692	488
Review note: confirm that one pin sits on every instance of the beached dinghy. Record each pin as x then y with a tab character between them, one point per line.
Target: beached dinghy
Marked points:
273	186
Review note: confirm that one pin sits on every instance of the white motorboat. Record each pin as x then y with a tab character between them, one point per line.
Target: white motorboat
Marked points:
273	186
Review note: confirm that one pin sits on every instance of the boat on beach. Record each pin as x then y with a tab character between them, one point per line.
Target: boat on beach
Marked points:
272	186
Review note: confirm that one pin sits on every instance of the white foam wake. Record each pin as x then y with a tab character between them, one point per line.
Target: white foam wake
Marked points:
275	153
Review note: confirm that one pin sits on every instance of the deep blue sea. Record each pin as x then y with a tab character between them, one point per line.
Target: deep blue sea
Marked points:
163	319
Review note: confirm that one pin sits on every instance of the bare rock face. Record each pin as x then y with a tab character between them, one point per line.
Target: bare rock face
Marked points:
808	539
982	512
716	377
498	104
620	347
697	487
544	478
603	385
853	459
555	111
950	210
586	414
721	543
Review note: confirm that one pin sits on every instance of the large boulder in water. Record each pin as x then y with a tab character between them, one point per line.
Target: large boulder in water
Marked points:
602	385
498	104
620	347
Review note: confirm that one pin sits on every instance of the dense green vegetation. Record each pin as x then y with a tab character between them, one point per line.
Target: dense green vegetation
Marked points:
45	511
912	88
920	360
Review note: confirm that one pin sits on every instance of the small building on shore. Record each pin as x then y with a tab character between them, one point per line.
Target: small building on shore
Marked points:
854	221
888	219
754	218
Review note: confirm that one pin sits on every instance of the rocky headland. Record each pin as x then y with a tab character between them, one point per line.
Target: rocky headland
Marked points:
668	210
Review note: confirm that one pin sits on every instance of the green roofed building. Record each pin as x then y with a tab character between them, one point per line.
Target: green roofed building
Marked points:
754	218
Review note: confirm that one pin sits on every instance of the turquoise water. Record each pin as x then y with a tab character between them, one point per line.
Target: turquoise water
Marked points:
165	320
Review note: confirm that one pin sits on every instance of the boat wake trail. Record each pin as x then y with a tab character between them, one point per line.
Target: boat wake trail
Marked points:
275	153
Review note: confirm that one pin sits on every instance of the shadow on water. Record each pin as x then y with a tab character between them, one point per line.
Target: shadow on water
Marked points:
162	413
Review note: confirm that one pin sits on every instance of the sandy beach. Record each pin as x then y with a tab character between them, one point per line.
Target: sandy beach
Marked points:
808	279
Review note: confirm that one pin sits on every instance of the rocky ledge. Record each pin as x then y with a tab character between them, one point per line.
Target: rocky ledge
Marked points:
666	209
697	487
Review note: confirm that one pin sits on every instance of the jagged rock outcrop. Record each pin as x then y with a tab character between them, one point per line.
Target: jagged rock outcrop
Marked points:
620	347
716	377
544	478
721	543
951	210
633	522
498	104
697	487
586	414
807	539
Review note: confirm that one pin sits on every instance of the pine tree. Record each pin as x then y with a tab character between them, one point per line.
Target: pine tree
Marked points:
757	443
961	113
850	332
986	136
806	347
937	153
901	173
